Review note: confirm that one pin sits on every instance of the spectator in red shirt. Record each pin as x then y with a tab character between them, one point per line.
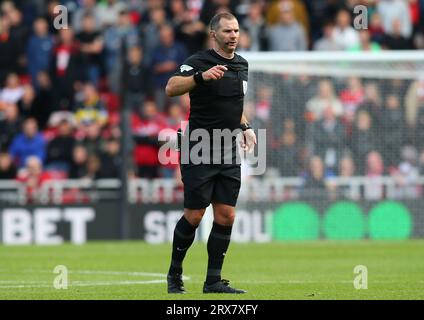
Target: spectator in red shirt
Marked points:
145	129
33	176
173	123
414	12
351	98
66	69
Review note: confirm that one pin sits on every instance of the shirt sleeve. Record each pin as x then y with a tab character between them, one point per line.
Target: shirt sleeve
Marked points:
189	67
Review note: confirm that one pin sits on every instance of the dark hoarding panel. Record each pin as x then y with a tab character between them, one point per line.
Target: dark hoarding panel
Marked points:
255	222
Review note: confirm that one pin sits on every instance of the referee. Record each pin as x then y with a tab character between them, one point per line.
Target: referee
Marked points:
217	81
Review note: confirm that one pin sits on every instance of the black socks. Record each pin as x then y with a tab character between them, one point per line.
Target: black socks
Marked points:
184	234
218	243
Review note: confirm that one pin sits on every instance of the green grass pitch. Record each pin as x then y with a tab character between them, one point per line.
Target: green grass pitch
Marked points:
296	270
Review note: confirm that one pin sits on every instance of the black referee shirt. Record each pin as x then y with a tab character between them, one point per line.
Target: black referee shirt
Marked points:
216	104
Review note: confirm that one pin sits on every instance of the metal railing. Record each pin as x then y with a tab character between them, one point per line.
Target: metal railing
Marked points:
60	191
168	190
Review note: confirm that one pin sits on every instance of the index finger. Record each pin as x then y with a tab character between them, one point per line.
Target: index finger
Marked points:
221	67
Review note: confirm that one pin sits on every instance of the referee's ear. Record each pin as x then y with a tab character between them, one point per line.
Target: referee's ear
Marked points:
212	33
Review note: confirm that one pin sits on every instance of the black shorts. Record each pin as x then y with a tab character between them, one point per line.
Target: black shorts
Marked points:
206	183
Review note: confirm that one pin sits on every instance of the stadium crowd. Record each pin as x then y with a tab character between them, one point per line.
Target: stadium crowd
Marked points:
62	90
343	127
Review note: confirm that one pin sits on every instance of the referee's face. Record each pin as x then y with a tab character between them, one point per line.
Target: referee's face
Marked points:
227	35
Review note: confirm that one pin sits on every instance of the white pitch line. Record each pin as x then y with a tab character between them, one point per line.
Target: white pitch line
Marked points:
84	284
16	284
113	283
26	286
135	274
125	273
20	281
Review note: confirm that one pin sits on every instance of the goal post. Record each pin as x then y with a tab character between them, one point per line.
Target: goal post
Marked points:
408	64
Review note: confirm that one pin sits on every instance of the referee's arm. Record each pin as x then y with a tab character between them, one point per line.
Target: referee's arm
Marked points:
178	85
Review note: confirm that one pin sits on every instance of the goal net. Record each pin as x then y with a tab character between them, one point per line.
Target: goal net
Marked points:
345	133
338	106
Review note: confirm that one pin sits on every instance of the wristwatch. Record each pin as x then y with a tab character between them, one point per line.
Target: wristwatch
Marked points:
245	126
198	78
